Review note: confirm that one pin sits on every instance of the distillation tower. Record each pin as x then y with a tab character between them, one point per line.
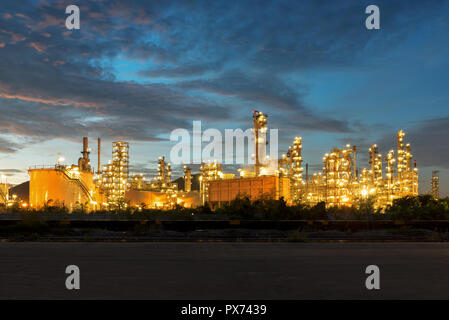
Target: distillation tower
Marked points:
260	140
340	184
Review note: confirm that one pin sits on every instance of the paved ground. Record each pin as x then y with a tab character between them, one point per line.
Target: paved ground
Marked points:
224	270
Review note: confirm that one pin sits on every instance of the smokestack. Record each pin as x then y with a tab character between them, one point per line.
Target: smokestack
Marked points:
84	162
99	156
85	148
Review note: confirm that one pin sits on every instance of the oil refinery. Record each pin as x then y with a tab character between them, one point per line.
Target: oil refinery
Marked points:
112	186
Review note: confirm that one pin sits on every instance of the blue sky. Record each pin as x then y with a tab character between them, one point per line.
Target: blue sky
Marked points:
136	70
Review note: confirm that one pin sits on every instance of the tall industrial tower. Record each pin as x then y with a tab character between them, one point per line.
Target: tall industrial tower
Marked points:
340	175
84	161
260	135
120	169
209	172
435	184
161	169
290	165
187	179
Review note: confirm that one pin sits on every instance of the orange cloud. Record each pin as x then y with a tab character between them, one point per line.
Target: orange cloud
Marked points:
53	102
38	47
50	21
15	37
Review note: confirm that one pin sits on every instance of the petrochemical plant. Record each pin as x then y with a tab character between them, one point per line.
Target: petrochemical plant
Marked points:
339	183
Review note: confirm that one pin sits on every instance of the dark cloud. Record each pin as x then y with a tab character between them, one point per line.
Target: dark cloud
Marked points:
11	172
197	60
7	146
64	76
428	142
53	82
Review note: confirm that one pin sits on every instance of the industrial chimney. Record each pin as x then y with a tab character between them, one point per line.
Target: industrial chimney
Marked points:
84	162
85	151
99	156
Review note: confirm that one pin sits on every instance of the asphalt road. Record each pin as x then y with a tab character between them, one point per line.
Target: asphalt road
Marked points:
186	270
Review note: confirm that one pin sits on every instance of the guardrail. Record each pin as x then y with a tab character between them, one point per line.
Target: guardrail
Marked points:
54	166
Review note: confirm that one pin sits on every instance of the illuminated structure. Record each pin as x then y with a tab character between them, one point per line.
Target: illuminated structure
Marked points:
340	185
316	189
290	165
209	172
76	187
99	156
260	134
4	190
435	184
71	186
296	161
218	188
270	187
187	179
407	181
120	164
340	175
160	193
84	161
163	180
137	181
114	178
161	168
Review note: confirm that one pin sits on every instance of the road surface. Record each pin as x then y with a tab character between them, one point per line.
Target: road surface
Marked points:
33	270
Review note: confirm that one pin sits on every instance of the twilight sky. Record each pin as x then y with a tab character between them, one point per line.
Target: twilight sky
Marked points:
136	70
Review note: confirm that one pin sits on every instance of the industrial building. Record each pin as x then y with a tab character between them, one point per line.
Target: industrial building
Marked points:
161	192
218	188
78	187
71	186
271	187
4	193
340	183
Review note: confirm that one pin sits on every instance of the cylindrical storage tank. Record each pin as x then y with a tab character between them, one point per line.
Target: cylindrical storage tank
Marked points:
55	188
